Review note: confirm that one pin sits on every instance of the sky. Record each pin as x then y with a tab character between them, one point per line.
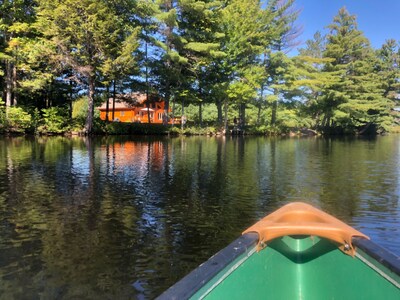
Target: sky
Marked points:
378	19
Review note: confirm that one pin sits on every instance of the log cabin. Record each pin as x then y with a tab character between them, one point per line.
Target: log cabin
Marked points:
134	108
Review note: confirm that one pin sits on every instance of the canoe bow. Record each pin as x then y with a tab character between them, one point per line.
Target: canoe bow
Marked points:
299	218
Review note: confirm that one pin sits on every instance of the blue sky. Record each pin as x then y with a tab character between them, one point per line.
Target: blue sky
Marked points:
378	19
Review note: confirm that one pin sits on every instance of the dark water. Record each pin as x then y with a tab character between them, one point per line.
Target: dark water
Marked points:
113	218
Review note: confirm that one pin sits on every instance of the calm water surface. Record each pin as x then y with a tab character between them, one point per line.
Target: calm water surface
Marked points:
124	218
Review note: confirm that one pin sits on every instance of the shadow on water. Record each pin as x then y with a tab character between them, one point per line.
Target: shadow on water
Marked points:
123	217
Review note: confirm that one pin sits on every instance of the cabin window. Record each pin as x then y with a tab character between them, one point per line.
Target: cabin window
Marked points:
159	116
122	113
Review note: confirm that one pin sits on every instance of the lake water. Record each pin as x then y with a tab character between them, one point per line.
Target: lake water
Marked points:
125	218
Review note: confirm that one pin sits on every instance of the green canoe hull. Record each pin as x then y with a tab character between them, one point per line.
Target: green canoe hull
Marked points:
299	268
292	267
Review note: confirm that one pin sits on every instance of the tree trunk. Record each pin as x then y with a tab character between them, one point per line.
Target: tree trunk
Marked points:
14	85
201	114
226	115
9	87
219	113
166	108
113	102
147	80
183	117
273	114
168	63
71	101
242	115
274	109
148	110
89	118
108	103
260	101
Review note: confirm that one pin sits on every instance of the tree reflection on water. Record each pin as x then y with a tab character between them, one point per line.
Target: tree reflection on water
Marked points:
125	218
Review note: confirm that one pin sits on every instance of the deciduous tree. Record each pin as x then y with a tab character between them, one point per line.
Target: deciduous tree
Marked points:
85	35
15	17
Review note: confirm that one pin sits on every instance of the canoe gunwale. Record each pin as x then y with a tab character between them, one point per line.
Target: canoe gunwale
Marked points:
195	280
381	255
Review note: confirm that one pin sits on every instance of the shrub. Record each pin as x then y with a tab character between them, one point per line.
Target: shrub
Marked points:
36	119
120	128
261	130
54	120
192	130
18	120
79	108
395	129
79	113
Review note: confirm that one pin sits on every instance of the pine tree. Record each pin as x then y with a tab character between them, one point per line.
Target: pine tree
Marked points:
199	28
285	39
357	99
389	68
314	47
315	79
245	25
145	12
167	67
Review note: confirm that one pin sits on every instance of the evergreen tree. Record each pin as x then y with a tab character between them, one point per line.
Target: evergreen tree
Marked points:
316	78
167	67
356	100
284	40
314	47
121	57
389	68
245	25
144	83
199	27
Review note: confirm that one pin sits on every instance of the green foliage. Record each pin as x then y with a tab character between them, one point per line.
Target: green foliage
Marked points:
18	120
16	18
389	68
194	130
79	109
120	128
36	119
343	90
217	59
244	41
290	119
394	129
209	113
54	121
89	37
260	130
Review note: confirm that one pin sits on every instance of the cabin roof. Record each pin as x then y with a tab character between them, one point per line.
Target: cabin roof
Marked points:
125	101
118	104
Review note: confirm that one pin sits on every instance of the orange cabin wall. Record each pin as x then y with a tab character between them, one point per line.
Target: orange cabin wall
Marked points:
135	114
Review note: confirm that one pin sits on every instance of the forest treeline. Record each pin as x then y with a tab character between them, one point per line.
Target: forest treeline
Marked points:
211	61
